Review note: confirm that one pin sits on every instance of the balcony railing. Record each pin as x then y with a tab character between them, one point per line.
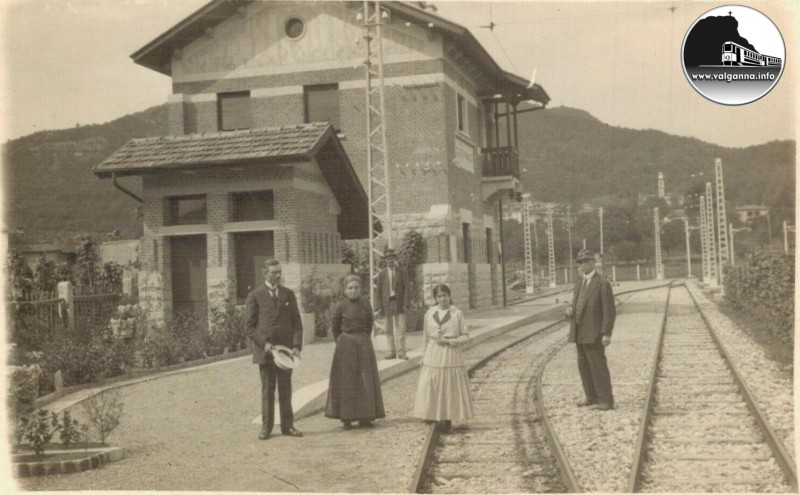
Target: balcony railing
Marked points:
500	161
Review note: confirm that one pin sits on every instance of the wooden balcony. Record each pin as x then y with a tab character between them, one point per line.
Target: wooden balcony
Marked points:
499	171
501	161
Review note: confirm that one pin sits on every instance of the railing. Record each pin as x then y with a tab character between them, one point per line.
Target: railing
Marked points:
36	314
94	306
500	161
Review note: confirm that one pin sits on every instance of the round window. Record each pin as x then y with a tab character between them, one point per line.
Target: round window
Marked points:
294	28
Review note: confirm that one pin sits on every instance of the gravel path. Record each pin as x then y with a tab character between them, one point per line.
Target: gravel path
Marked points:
771	383
600	444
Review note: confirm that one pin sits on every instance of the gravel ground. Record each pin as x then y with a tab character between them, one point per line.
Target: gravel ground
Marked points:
600	444
771	383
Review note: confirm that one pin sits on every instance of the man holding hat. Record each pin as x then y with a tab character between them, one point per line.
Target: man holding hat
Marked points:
273	319
391	300
592	316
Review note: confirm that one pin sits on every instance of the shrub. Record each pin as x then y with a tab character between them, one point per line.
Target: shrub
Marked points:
226	324
410	255
318	295
38	429
159	349
762	285
104	411
23	388
70	429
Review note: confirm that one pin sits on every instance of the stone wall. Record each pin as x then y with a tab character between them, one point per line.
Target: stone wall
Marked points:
455	275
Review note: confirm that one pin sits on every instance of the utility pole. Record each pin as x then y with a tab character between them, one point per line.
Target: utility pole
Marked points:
703	238
722	222
378	191
526	228
569	236
659	263
733	232
786	229
601	231
550	248
712	245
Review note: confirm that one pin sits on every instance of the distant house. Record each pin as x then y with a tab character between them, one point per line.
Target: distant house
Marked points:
748	213
451	121
32	251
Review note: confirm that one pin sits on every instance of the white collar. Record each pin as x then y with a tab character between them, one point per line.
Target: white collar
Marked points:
589	275
271	287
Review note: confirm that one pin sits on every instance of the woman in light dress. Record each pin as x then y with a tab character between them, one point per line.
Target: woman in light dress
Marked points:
443	393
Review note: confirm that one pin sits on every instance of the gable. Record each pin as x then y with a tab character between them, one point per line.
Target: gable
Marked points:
254	42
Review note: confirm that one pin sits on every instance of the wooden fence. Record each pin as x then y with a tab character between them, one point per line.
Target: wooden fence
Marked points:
34	316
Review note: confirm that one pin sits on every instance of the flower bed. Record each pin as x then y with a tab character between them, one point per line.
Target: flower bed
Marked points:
64	461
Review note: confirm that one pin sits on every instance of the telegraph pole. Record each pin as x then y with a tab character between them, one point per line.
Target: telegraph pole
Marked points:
526	204
712	249
703	238
378	191
659	263
569	236
550	248
722	222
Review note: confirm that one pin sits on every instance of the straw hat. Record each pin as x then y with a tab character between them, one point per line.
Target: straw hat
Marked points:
284	357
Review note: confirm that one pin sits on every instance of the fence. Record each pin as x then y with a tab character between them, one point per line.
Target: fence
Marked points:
35	317
93	306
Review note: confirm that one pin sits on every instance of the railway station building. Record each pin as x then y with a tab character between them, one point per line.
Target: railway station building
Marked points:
256	75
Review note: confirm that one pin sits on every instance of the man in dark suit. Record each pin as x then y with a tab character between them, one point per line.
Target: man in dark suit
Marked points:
592	316
391	300
274	319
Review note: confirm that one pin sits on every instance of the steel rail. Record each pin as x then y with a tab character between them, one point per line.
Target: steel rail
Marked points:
785	461
567	473
640	453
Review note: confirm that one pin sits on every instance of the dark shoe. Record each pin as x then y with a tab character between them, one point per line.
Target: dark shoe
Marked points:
390	356
445	426
293	432
403	356
265	433
586	403
347	425
365	423
603	406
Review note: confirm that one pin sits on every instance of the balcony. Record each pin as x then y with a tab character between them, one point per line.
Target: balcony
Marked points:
499	171
498	162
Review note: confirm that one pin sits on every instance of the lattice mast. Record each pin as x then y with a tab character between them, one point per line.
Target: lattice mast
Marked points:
526	206
378	191
551	264
712	245
722	219
657	237
703	237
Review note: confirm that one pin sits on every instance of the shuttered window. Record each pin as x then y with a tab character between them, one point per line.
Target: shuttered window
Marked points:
234	111
322	104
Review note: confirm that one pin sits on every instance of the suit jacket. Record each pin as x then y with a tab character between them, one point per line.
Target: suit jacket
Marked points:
400	282
596	317
278	324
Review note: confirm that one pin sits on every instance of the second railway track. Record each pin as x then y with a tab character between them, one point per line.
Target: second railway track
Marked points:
702	433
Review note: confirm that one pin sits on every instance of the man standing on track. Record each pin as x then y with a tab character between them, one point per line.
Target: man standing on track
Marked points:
592	316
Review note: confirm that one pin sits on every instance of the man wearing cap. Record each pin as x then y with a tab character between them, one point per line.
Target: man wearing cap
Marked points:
592	316
273	319
391	301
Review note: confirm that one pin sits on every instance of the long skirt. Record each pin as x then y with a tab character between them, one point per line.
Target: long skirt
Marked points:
443	388
354	390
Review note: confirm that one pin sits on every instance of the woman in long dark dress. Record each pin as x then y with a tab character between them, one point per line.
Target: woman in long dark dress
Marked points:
354	391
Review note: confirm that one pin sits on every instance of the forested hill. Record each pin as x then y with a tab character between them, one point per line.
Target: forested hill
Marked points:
50	190
568	155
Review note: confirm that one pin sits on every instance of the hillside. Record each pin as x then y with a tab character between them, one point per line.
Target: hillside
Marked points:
50	190
567	155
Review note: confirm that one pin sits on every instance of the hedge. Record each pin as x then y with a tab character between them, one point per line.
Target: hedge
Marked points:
762	285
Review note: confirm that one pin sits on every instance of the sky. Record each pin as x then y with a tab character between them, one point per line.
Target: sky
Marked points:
67	62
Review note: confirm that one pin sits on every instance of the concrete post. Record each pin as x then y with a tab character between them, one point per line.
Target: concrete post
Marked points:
638	272
67	294
614	273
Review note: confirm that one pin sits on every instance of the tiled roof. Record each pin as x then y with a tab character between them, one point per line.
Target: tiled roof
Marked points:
219	148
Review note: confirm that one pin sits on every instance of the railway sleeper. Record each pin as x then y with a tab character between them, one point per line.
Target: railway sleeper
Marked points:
748	440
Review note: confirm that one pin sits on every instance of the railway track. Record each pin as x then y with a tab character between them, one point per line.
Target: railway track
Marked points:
508	446
702	431
504	448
